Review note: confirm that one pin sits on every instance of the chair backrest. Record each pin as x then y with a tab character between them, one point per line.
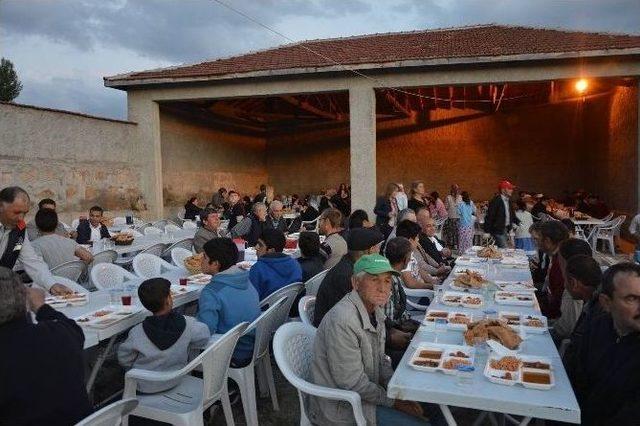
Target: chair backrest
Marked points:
265	325
72	270
290	291
111	415
224	224
107	275
313	284
178	255
608	217
147	265
293	350
186	243
309	225
74	224
170	227
152	230
119	220
160	224
142	227
156	249
306	309
106	256
70	284
189	225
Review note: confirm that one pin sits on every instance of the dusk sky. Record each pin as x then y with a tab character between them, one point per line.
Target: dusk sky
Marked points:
63	48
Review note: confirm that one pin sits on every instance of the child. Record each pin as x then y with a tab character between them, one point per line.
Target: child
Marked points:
523	238
162	341
229	298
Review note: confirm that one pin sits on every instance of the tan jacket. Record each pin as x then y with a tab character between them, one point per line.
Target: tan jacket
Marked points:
203	235
349	354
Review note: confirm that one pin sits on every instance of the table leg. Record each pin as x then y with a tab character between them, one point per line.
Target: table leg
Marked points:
96	367
480	418
447	415
525	421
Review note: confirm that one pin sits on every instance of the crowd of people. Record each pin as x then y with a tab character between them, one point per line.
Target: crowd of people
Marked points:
361	313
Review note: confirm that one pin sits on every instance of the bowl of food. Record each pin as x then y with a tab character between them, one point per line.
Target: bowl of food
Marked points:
193	264
122	239
490	252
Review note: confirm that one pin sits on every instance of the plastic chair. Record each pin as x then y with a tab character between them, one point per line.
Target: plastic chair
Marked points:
606	233
156	249
417	293
111	415
439	223
608	217
293	350
106	256
309	225
186	243
306	309
119	221
170	227
188	224
73	269
178	255
147	265
74	224
185	403
152	230
290	291
107	275
264	327
70	284
140	228
160	224
313	284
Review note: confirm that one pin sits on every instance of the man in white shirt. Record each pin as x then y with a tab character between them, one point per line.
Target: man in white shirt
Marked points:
92	230
14	242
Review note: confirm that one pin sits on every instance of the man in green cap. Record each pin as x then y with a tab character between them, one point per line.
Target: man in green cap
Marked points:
349	352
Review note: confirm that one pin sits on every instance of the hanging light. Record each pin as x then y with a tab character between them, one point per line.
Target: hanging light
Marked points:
581	85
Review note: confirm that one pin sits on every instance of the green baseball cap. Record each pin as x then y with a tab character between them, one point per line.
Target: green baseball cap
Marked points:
373	264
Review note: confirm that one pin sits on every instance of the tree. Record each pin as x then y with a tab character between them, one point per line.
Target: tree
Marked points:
10	86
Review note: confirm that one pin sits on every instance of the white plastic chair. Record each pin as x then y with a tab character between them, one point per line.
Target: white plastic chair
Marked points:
147	265
291	292
107	275
106	256
293	350
178	255
191	225
152	230
185	403
264	326
73	269
141	227
309	225
160	224
417	293
439	223
70	284
170	227
74	224
306	309
606	233
119	221
313	284
156	249
111	415
186	243
608	217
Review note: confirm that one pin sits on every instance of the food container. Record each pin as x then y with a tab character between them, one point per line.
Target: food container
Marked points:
456	298
530	323
62	301
455	320
515	298
534	372
432	357
515	286
202	279
107	316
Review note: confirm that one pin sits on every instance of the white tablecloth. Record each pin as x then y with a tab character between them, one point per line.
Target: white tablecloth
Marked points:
146	241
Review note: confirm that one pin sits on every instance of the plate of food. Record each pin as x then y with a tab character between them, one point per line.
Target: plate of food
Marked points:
432	315
535	372
456	298
496	330
181	290
530	323
469	279
489	252
73	299
515	298
193	264
107	316
516	286
122	239
199	279
432	357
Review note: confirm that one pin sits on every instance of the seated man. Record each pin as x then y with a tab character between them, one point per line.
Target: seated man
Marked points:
32	229
349	352
252	226
274	269
335	246
92	230
337	283
54	248
606	372
235	211
210	229
431	244
43	386
418	272
359	219
163	340
310	260
229	298
275	219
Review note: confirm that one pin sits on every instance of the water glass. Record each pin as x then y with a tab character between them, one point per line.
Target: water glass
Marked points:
114	296
440	325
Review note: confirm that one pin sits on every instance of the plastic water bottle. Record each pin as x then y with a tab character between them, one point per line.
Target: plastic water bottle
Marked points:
465	376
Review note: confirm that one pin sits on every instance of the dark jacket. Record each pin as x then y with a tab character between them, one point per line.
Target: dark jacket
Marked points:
590	312
382	210
191	211
84	232
42	371
233	212
537	209
494	221
310	213
342	204
311	266
281	225
272	272
430	247
606	379
255	231
335	285
416	205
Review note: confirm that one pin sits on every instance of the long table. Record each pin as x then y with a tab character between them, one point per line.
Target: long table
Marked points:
146	241
559	403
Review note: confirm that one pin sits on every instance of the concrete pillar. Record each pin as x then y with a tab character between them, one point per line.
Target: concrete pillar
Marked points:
362	125
146	150
638	146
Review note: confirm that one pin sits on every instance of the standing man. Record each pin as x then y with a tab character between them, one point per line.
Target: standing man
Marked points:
93	229
500	216
262	195
14	242
210	229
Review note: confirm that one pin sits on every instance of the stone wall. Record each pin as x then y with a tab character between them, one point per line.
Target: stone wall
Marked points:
75	159
197	160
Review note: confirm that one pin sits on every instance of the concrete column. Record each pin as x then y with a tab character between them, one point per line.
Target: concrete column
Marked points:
146	150
362	125
638	146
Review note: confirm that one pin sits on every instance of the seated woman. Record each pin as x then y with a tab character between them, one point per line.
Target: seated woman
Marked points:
191	209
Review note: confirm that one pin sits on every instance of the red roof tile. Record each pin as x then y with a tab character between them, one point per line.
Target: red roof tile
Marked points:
464	42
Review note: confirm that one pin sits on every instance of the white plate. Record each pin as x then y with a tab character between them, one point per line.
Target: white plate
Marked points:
77	299
515	298
199	279
181	290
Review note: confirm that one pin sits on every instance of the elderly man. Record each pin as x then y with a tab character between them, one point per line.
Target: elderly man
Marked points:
349	352
41	364
32	229
15	245
500	216
335	246
275	219
210	229
253	225
606	373
431	244
92	230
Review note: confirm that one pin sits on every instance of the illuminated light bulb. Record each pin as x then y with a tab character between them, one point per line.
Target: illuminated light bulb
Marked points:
581	85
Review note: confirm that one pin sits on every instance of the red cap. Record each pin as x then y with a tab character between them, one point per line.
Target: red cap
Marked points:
505	184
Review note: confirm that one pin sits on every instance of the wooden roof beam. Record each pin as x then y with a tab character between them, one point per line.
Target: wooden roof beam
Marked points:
397	105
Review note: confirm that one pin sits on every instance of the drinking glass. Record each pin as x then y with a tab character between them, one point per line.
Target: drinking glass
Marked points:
465	376
440	326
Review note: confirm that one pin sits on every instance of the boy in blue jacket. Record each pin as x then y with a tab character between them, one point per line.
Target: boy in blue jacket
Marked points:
229	298
274	269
